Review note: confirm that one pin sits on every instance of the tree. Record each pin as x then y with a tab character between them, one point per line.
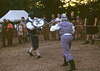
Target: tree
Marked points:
52	6
47	7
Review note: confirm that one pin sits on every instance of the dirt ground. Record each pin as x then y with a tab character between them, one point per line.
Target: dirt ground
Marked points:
16	58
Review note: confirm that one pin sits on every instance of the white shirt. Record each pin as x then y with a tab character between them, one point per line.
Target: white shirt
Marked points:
54	28
20	30
15	26
29	24
0	27
73	29
58	19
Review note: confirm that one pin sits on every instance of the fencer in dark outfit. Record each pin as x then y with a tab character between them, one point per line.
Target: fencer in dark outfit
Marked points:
66	29
33	36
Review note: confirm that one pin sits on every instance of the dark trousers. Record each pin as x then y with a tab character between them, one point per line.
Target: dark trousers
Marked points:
46	35
10	37
46	32
53	34
4	36
34	41
25	39
0	36
58	35
20	38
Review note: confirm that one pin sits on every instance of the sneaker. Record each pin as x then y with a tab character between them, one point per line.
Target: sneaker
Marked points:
38	57
87	42
65	64
92	41
30	53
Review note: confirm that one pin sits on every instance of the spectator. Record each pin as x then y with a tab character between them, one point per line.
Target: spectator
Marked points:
15	26
58	16
46	29
53	18
15	30
58	20
79	27
4	32
23	21
53	33
91	21
0	31
20	32
72	19
10	29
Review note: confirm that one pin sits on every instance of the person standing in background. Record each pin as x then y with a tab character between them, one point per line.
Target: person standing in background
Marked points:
57	21
58	16
23	21
79	27
91	19
0	31
4	32
46	29
15	30
20	32
53	18
10	30
53	33
72	19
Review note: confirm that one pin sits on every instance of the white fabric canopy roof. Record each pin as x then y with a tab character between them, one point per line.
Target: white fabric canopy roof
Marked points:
15	15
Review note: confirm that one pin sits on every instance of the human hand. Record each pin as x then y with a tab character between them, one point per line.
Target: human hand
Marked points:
94	24
84	25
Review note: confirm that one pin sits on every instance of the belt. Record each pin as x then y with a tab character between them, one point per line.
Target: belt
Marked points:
66	34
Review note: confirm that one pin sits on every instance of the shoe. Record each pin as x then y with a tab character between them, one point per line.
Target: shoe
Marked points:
65	63
72	65
38	57
3	45
30	53
92	41
87	42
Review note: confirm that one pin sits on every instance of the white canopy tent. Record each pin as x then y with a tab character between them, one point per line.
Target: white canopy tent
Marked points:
15	15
